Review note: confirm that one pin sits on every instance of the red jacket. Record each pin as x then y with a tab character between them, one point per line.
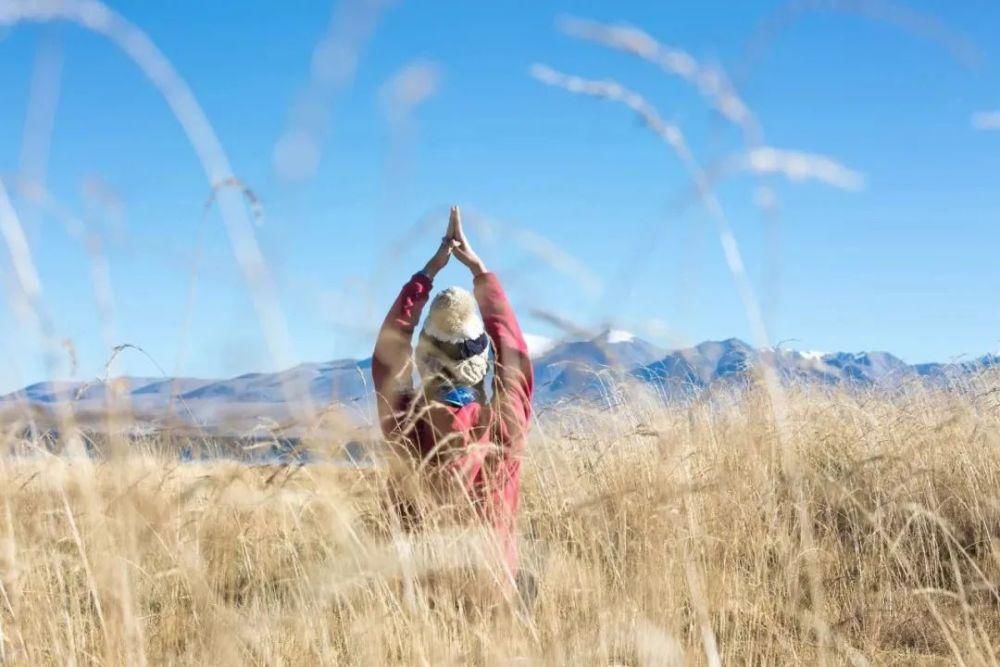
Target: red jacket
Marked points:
491	436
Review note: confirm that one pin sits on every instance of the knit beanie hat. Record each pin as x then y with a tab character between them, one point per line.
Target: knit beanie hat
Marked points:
453	346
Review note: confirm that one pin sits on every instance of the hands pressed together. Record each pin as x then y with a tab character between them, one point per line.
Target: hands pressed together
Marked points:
455	243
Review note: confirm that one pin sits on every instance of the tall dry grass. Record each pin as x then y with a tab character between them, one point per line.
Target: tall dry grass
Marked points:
657	534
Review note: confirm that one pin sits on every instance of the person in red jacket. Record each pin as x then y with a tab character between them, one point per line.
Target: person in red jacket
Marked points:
450	426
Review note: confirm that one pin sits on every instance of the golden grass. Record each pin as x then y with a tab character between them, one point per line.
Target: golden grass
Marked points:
659	535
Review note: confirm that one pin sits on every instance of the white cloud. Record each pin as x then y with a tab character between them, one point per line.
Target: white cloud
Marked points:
986	120
408	88
538	345
620	336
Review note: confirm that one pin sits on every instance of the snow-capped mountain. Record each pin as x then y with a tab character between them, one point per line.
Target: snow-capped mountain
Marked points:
580	369
956	369
712	361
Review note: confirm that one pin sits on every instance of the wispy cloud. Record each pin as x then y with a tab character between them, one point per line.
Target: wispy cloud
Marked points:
408	88
334	62
986	120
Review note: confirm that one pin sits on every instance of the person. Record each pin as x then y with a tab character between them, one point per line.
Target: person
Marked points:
448	426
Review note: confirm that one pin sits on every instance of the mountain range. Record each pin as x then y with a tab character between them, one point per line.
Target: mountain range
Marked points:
581	369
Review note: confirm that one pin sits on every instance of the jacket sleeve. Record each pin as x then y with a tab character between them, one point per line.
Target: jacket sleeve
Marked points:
392	360
514	382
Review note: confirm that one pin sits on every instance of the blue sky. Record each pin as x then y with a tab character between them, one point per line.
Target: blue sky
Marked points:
908	264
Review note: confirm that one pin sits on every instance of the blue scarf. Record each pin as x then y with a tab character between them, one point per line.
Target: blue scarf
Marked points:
458	396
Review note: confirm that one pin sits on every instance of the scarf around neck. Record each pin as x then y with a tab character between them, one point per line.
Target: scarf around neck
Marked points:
458	396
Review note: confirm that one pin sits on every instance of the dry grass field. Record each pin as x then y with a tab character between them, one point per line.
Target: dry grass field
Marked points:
862	529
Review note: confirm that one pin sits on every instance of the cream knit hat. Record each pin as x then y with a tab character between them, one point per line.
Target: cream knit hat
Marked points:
453	346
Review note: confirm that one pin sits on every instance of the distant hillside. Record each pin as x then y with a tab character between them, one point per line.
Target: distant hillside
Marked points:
570	370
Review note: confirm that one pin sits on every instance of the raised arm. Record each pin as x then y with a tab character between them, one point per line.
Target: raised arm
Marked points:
392	360
514	377
514	374
392	367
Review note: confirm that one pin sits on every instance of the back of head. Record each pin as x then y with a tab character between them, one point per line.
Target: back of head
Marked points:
453	348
